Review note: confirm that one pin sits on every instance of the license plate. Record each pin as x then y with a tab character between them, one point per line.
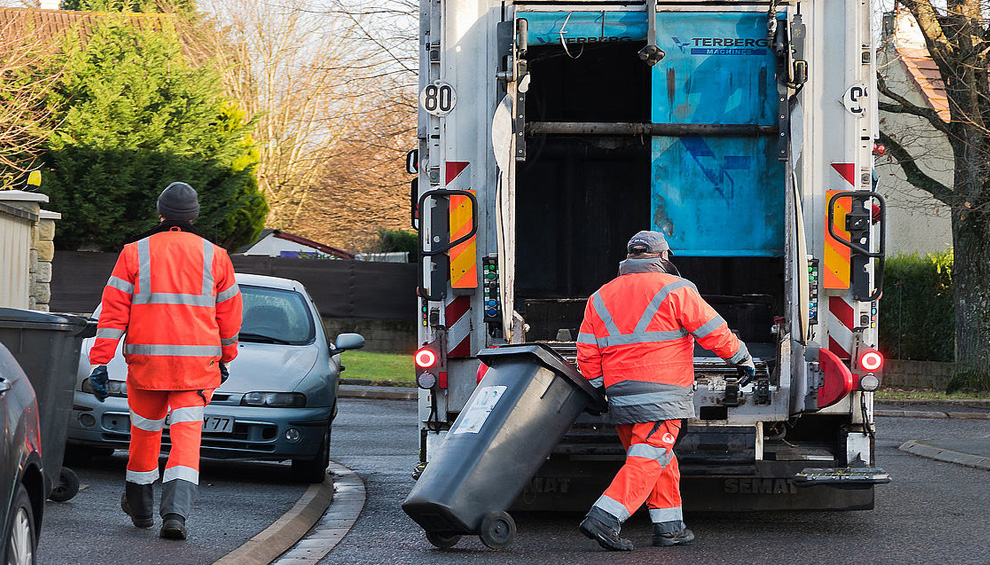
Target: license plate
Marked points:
218	424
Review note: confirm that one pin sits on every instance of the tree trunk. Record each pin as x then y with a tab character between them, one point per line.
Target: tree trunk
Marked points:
971	269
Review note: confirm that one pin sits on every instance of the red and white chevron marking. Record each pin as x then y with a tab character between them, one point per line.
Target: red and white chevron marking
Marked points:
841	320
457	316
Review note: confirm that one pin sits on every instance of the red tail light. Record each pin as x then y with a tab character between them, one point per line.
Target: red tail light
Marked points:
425	358
871	360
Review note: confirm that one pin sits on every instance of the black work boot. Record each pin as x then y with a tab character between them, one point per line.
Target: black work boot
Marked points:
174	527
137	502
604	535
665	539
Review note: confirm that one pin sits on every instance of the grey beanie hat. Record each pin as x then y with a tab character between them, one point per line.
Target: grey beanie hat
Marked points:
647	242
178	201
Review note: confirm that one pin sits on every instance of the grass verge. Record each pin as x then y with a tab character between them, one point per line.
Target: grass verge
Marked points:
384	368
928	394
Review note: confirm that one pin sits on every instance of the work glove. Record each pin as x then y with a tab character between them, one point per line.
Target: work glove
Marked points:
747	370
98	380
224	373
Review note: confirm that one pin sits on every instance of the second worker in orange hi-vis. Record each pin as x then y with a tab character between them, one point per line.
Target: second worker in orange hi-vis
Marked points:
172	297
637	342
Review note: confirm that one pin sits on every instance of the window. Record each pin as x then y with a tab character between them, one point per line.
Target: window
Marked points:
275	315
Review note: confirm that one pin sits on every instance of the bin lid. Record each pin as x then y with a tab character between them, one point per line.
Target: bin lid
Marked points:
32	319
543	355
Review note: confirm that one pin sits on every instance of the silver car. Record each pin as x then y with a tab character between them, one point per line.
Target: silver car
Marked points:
278	403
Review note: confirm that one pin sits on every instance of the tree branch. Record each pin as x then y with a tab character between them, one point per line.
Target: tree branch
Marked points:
905	106
914	174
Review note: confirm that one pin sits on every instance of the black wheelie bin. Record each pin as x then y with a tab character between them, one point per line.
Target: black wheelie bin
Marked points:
47	348
520	410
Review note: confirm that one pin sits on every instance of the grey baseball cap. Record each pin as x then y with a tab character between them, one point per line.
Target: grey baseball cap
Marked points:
647	242
178	201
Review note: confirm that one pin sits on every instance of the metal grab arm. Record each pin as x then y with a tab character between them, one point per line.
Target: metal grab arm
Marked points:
855	246
425	254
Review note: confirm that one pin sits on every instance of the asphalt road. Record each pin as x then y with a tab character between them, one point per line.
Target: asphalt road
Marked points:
932	512
236	501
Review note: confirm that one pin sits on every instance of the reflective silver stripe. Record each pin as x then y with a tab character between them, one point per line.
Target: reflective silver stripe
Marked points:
708	327
226	295
181	472
587	338
144	268
611	507
187	414
141	477
207	268
597	382
647	451
147	424
604	314
646	398
740	355
109	333
228	341
658	515
654	305
120	284
145	296
645	337
174	298
173	350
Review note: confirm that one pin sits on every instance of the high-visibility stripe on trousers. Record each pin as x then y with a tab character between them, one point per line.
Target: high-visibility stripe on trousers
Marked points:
649	475
149	409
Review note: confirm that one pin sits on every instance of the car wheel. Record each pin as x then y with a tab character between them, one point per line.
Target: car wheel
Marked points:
20	536
314	470
67	487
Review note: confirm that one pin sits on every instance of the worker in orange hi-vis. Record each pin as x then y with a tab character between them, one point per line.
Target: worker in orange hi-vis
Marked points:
637	342
174	295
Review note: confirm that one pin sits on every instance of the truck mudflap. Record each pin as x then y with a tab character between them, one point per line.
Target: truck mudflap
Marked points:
842	477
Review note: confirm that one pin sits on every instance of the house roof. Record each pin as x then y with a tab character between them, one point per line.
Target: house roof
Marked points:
52	23
328	249
910	45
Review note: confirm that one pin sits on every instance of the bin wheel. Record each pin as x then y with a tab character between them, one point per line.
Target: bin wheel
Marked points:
67	487
497	530
443	541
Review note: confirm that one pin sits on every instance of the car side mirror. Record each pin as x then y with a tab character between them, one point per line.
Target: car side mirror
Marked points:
348	341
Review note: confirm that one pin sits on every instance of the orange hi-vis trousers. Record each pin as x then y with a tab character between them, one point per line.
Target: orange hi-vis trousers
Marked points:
149	409
649	475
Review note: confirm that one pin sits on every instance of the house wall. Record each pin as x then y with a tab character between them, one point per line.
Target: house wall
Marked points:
26	250
916	222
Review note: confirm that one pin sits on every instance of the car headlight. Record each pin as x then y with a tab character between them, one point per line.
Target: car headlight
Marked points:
115	388
277	399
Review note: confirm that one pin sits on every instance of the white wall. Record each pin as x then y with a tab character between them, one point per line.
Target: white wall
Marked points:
916	222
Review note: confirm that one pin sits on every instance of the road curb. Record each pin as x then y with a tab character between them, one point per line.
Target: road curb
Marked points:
348	502
274	540
916	447
377	392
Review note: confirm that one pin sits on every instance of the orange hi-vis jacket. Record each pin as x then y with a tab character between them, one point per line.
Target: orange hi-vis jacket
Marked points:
637	340
174	295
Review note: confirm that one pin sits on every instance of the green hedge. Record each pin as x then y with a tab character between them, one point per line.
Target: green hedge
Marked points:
917	314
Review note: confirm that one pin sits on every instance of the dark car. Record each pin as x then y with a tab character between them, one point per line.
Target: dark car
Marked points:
21	480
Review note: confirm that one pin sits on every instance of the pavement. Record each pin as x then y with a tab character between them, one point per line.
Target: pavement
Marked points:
327	527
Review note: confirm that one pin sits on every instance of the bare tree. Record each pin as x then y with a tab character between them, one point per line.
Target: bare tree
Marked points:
956	36
25	78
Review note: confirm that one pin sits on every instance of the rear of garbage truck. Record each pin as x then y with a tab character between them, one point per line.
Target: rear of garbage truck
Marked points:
550	132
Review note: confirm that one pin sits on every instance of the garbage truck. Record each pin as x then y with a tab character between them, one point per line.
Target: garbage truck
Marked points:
551	131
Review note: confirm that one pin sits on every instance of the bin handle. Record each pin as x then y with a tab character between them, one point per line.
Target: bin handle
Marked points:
4	385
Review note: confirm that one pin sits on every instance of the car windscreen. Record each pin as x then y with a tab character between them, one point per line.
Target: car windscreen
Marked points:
273	315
